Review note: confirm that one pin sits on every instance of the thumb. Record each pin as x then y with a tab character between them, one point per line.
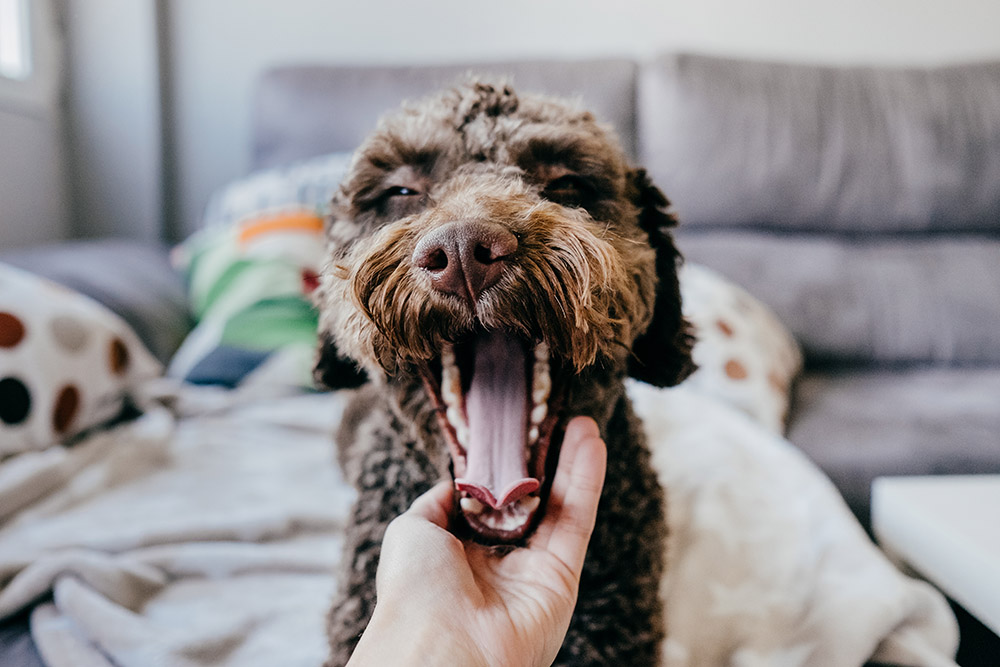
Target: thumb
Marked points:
434	505
576	491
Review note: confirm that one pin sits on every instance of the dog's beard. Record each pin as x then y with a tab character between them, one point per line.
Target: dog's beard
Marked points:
498	398
571	300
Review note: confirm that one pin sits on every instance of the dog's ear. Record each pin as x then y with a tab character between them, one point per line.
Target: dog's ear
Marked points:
662	355
333	371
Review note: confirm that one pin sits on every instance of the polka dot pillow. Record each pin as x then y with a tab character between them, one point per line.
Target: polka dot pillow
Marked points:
66	362
745	355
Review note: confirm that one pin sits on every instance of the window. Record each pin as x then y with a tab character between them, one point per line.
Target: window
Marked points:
15	47
30	55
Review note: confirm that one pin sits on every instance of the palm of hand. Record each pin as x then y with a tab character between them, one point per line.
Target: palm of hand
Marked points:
444	601
521	604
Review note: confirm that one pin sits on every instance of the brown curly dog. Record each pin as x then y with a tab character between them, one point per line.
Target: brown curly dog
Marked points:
496	268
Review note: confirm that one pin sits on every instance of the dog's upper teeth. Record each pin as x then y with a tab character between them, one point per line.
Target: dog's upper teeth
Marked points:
451	379
538	413
532	438
541	385
451	394
541	381
456	418
471	505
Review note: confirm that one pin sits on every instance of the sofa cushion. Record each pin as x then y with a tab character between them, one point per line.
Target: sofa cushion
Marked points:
302	111
796	147
249	291
132	279
919	421
895	300
307	184
66	362
745	356
250	273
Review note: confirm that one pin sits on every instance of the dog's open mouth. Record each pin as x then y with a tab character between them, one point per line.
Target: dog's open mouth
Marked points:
497	400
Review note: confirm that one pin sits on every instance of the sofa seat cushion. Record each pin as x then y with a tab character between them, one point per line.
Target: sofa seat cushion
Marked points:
918	421
920	298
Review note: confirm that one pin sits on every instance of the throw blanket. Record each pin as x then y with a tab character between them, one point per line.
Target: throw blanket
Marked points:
207	535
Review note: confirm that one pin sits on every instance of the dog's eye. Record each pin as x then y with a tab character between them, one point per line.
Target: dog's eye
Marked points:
400	191
569	189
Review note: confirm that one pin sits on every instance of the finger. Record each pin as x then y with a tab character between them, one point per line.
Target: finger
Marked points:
580	428
434	505
576	491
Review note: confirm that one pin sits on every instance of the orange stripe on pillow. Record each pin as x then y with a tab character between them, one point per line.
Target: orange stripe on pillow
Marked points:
295	221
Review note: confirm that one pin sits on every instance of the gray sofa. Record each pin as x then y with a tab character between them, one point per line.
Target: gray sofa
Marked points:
861	204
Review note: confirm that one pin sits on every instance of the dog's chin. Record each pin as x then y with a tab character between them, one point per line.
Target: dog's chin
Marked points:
498	397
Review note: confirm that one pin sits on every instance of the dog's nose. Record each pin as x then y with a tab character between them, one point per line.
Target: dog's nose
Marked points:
465	258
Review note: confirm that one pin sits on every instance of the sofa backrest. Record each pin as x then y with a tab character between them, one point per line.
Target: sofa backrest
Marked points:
304	111
824	149
861	204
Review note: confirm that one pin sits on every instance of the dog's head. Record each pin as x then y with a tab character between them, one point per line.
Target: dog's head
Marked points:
500	252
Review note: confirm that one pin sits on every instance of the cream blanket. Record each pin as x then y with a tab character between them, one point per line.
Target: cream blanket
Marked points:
210	538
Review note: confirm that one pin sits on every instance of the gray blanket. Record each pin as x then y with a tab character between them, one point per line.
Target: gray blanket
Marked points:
207	535
204	540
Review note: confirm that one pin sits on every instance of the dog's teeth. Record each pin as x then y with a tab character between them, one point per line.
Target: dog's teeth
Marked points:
471	505
451	379
533	435
540	388
530	503
542	352
455	417
462	432
538	413
447	355
449	393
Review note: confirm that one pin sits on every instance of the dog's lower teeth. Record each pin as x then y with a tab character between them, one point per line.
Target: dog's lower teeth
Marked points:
471	505
533	435
530	503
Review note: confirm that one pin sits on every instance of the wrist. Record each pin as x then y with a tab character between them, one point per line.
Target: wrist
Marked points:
404	639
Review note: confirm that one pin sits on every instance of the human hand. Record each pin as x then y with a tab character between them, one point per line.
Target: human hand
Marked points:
445	601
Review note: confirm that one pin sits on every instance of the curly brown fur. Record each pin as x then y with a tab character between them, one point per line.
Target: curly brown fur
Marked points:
593	277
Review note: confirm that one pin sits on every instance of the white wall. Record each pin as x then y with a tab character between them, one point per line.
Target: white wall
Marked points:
32	195
114	114
218	47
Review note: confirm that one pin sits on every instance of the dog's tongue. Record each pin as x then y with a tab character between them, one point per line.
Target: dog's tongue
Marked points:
497	409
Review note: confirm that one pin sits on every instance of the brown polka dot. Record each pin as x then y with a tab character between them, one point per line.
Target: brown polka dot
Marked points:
118	356
69	332
11	330
725	328
736	370
66	408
